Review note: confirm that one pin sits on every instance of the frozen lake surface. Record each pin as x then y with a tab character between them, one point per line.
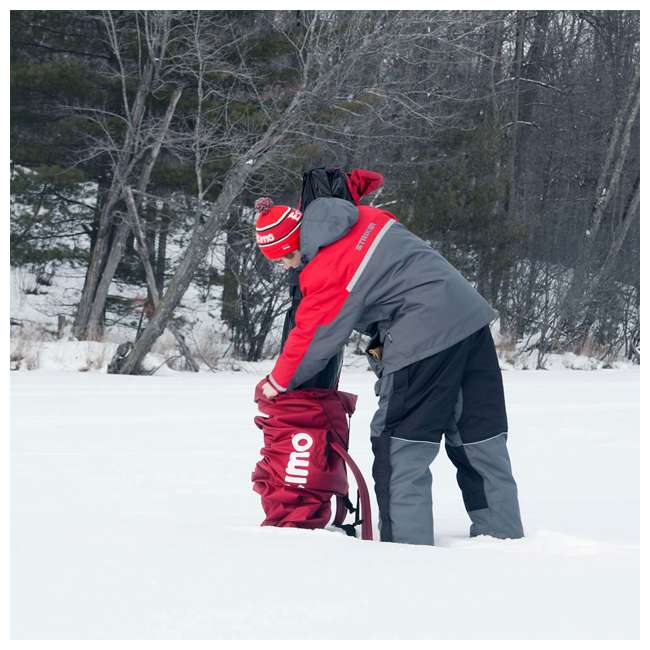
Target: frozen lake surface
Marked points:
133	517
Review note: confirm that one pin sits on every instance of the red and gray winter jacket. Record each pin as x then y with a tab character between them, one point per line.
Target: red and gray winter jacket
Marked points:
366	271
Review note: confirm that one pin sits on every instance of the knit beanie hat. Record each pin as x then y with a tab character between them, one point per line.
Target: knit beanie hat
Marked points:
277	228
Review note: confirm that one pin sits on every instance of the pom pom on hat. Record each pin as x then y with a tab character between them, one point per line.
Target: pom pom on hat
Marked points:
362	182
263	204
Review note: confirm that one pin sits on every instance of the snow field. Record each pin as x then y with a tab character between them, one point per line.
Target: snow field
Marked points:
133	517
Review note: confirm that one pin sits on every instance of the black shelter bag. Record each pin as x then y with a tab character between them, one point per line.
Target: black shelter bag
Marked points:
321	182
317	183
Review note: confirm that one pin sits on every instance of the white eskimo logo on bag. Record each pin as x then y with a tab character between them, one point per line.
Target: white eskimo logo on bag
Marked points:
297	467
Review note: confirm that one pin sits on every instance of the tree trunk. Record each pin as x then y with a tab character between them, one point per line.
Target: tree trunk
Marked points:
145	256
150	239
620	140
98	259
95	325
205	230
101	252
521	21
230	312
161	253
197	248
604	269
531	71
608	182
115	251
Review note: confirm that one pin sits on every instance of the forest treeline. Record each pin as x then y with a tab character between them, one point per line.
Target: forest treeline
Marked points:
508	139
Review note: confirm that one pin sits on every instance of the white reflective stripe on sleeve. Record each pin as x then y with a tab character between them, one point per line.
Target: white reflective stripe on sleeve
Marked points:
369	254
275	384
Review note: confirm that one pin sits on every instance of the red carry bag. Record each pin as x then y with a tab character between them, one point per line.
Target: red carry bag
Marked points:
304	461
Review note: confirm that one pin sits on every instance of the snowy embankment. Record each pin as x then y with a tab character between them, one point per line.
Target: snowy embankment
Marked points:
133	517
41	333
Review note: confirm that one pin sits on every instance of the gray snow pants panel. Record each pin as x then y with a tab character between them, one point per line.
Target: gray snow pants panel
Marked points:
406	509
488	487
457	394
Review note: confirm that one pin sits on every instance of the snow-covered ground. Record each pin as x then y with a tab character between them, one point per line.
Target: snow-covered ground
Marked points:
36	342
133	517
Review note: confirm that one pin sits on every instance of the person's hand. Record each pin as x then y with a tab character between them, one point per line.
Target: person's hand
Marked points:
265	388
268	390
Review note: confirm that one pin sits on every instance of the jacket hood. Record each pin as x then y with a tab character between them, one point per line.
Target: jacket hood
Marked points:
325	221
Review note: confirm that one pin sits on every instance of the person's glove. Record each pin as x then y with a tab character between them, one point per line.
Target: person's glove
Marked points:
265	390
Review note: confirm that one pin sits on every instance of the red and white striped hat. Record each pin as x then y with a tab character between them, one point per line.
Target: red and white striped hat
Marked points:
277	228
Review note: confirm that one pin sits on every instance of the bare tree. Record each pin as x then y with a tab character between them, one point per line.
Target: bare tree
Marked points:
325	50
509	140
140	138
608	185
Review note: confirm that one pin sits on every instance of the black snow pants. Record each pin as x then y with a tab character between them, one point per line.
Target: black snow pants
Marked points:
458	393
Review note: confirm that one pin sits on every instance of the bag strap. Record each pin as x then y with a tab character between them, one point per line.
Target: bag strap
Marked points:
343	506
362	495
